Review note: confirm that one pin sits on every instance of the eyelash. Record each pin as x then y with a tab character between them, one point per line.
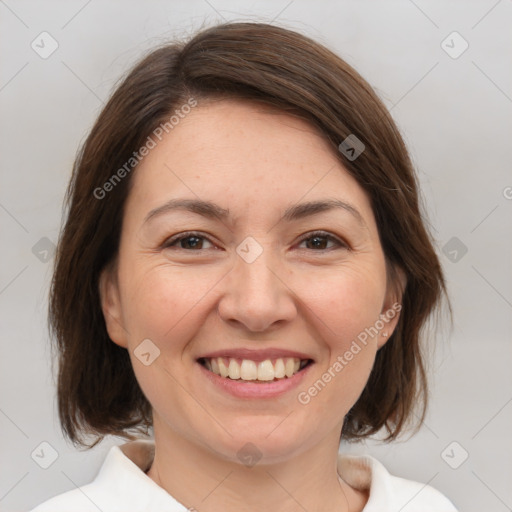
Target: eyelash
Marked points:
315	234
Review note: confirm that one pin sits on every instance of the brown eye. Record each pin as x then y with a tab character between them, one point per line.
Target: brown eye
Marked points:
320	242
188	241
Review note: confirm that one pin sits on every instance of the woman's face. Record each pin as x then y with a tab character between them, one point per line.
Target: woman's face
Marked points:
273	255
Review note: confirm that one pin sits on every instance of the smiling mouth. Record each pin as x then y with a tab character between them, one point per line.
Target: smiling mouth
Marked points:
252	371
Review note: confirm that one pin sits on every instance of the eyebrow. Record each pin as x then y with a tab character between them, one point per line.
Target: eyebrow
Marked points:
213	211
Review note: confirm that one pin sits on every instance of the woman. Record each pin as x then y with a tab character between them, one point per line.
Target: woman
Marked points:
244	270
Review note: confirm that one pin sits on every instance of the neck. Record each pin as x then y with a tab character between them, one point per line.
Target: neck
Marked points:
202	480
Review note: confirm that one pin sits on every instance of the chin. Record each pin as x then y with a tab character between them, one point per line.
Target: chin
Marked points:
260	440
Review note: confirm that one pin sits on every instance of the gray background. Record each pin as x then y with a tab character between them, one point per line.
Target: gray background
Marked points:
456	116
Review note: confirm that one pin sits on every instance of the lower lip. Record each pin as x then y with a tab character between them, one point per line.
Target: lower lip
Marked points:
246	389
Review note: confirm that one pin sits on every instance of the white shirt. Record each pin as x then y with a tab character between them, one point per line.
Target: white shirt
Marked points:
123	486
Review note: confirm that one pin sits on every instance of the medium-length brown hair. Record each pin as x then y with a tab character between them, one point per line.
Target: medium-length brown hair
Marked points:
98	393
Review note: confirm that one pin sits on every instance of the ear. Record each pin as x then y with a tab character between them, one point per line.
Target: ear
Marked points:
111	306
392	306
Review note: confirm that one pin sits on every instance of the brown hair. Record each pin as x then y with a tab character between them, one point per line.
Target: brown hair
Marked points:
98	393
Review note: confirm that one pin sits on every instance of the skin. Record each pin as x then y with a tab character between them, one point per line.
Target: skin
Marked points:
192	299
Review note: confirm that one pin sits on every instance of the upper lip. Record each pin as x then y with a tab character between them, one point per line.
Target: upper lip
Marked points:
256	355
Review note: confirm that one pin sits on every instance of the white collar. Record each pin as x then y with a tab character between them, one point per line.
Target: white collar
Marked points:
123	486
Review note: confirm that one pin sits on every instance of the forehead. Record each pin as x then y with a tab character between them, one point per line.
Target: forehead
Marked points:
237	153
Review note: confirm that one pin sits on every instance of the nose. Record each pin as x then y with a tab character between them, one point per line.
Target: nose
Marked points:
256	296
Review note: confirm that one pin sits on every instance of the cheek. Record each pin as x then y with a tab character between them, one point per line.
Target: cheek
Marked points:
170	304
344	311
166	304
346	302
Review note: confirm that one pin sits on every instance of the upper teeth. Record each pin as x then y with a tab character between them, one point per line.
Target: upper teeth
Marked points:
251	370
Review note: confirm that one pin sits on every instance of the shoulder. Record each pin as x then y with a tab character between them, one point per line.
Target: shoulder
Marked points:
81	499
120	485
388	492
